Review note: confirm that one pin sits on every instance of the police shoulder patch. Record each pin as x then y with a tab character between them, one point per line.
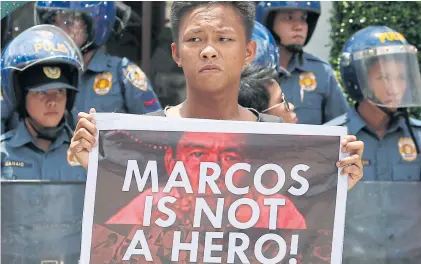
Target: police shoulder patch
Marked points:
136	76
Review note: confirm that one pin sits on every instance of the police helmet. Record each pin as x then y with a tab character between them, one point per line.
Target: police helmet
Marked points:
40	58
377	63
99	18
266	11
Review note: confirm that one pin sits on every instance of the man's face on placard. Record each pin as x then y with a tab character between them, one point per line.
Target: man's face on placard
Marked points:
224	149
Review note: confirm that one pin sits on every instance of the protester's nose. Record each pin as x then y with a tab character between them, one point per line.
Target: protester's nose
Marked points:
209	53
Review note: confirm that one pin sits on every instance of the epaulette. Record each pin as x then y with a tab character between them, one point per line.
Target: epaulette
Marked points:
7	135
415	122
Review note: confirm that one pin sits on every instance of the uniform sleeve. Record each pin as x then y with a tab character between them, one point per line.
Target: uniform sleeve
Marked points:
335	104
139	95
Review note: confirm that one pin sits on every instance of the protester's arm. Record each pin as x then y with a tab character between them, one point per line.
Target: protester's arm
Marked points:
335	104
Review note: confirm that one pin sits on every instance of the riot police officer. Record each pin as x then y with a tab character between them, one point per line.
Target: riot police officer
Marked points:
312	86
109	84
380	71
40	72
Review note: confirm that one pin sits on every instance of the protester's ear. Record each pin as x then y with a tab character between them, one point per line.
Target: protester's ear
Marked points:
250	51
169	160
175	55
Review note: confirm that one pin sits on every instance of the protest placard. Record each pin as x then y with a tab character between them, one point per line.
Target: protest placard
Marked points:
171	190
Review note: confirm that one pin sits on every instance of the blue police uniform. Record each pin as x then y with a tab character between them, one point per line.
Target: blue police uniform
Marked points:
112	84
314	91
21	159
311	87
390	158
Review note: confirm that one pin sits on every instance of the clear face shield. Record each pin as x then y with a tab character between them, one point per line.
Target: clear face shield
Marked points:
390	76
75	24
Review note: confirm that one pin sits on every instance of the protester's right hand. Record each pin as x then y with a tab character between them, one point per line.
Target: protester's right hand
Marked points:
84	137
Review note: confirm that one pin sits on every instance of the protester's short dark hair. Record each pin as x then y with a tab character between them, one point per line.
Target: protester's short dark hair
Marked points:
253	92
246	9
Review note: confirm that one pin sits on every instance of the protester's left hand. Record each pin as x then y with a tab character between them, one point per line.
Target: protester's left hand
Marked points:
352	165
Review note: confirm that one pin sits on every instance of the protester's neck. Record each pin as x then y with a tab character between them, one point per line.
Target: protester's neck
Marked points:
375	118
220	106
285	56
43	144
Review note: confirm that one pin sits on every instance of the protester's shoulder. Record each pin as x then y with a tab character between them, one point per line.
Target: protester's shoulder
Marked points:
314	60
341	120
270	118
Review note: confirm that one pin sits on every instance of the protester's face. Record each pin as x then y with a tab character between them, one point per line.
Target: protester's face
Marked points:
291	27
46	108
220	148
387	79
74	25
212	48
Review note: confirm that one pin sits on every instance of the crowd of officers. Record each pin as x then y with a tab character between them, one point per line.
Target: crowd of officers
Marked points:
59	67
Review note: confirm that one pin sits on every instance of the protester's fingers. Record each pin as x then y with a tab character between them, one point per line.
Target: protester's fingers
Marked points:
291	107
352	169
84	134
86	124
351	160
353	179
354	147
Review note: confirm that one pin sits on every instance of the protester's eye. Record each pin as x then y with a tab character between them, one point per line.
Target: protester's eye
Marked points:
194	39
383	77
225	39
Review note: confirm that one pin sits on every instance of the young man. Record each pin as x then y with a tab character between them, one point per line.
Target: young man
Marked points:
212	43
312	86
109	84
42	86
380	72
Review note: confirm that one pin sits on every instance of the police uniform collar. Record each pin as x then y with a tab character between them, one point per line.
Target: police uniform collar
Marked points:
23	137
99	61
355	121
295	64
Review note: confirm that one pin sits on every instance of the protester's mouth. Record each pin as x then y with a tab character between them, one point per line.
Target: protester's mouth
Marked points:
296	37
210	68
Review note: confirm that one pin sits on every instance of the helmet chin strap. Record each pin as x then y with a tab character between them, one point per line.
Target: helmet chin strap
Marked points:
395	115
47	133
295	49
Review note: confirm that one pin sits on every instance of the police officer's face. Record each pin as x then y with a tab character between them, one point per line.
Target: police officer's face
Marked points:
221	148
212	47
291	27
46	108
74	25
387	79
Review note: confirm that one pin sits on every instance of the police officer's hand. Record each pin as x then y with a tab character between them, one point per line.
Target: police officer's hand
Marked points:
84	137
352	165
